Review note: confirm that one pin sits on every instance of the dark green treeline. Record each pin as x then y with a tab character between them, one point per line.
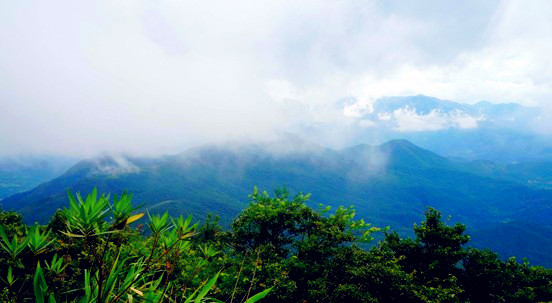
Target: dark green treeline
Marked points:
103	249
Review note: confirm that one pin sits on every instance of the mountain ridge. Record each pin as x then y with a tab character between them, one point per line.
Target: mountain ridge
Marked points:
390	184
500	132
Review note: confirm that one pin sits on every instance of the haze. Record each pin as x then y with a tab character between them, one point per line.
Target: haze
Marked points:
79	78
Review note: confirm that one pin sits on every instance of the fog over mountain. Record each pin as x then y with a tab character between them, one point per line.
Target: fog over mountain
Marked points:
199	101
144	77
389	185
288	133
503	132
18	174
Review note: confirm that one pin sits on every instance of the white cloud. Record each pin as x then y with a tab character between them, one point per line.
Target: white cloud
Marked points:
407	120
366	123
143	76
513	65
358	109
384	116
113	165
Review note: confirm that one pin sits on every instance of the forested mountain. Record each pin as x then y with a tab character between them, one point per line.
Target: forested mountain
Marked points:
498	132
22	173
389	185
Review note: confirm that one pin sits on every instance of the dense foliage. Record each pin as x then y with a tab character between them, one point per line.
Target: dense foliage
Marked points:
104	250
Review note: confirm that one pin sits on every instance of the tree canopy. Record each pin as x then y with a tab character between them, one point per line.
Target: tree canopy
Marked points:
104	249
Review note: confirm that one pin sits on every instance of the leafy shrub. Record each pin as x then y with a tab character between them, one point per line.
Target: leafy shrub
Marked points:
100	250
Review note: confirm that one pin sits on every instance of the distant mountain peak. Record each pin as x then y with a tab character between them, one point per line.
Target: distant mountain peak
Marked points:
404	153
403	146
399	144
397	153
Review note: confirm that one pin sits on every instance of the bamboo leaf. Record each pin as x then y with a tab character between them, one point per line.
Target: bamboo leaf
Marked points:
259	296
71	234
39	285
205	289
140	293
134	218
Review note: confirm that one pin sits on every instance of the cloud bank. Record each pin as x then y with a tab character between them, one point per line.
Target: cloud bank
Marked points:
81	78
408	120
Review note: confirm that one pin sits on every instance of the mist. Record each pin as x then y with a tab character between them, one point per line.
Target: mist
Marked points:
142	77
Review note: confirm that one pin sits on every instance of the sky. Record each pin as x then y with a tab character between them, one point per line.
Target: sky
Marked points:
84	77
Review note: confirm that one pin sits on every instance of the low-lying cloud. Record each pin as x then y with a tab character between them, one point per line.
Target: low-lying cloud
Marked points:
407	120
81	78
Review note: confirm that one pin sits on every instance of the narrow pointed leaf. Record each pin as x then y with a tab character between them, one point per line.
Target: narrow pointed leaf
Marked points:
134	218
206	288
259	296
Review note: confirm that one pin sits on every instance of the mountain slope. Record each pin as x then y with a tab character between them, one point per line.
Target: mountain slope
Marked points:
18	174
391	184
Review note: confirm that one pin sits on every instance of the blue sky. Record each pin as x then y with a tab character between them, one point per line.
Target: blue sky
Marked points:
81	77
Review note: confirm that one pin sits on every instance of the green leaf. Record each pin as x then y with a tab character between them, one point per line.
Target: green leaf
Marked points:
205	289
259	296
39	285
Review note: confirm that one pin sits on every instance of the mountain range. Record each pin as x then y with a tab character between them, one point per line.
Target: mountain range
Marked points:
503	132
506	206
22	173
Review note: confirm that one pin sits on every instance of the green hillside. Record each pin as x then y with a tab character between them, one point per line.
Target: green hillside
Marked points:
389	185
19	174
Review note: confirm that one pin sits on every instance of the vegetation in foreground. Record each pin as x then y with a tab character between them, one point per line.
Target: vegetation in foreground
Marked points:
98	250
